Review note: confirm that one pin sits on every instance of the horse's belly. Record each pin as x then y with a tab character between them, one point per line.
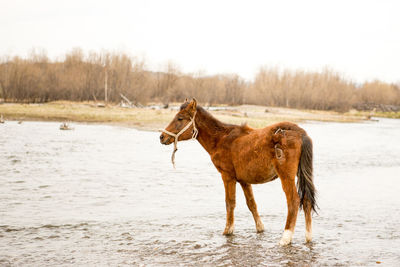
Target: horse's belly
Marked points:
256	172
251	157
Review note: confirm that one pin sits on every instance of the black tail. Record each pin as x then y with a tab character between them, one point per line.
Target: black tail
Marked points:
305	185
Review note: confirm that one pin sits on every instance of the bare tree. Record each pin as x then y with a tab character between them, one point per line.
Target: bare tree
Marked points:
80	77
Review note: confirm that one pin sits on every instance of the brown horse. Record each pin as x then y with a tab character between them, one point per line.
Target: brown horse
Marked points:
252	156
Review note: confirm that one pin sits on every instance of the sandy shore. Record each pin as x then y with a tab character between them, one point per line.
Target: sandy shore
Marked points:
153	117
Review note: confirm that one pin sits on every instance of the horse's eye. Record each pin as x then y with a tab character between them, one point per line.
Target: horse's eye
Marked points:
179	119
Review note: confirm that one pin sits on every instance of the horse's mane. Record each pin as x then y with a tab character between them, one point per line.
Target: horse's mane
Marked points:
217	124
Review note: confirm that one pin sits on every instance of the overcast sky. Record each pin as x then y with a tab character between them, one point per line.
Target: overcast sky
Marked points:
360	39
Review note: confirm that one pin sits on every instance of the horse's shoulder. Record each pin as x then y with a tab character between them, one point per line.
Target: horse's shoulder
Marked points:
238	131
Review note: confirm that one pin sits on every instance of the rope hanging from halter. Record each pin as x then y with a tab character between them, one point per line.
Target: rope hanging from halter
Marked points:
176	136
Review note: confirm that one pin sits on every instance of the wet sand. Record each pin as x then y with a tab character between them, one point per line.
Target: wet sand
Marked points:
107	195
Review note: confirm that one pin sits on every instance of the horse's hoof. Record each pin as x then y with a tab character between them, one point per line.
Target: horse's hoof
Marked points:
286	238
228	231
260	227
284	242
308	237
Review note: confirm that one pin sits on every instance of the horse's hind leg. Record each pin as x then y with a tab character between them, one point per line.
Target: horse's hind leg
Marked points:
251	204
308	217
293	203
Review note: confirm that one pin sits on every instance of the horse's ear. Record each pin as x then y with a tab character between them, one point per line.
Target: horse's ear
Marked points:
192	105
186	100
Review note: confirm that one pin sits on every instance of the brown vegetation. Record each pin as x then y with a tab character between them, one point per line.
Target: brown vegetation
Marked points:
81	77
153	118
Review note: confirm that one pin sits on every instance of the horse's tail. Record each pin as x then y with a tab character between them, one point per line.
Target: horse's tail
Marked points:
305	185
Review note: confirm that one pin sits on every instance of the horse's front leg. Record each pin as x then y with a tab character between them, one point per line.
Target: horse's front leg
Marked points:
230	201
251	204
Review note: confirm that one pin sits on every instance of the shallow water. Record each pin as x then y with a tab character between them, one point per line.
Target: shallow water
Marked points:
104	195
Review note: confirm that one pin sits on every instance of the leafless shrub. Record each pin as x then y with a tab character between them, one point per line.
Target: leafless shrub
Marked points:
82	77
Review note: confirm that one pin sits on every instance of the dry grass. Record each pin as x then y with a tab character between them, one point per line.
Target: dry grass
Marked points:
368	114
392	115
86	112
152	119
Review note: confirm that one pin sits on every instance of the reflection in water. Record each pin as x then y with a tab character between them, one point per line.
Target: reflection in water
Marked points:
103	195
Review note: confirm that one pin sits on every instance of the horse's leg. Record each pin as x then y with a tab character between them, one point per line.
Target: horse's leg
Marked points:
293	203
251	204
307	214
230	201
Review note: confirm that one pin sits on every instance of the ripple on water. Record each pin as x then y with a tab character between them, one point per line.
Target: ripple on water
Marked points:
108	196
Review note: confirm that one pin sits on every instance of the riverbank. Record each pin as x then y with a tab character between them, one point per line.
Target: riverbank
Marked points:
154	117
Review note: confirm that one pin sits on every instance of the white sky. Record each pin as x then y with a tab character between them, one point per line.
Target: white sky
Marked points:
360	39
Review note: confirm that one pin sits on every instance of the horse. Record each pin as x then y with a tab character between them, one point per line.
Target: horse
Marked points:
249	156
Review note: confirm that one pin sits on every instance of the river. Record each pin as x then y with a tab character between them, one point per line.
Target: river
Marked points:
108	195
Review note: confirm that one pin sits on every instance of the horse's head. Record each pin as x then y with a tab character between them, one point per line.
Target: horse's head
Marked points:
182	126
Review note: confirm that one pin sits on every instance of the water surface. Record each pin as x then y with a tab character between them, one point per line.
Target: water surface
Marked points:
106	195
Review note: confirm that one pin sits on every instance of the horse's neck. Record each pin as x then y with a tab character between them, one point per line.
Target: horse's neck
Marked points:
210	129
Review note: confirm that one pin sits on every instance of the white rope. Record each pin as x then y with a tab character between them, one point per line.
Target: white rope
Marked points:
176	136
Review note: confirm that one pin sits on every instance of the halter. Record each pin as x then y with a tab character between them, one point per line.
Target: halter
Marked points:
176	136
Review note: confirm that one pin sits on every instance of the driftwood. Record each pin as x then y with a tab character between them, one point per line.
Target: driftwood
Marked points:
130	104
65	126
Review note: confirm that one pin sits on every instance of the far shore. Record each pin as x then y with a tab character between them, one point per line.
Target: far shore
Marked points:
154	117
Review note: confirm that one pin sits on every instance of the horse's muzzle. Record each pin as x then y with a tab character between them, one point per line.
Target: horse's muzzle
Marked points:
165	139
